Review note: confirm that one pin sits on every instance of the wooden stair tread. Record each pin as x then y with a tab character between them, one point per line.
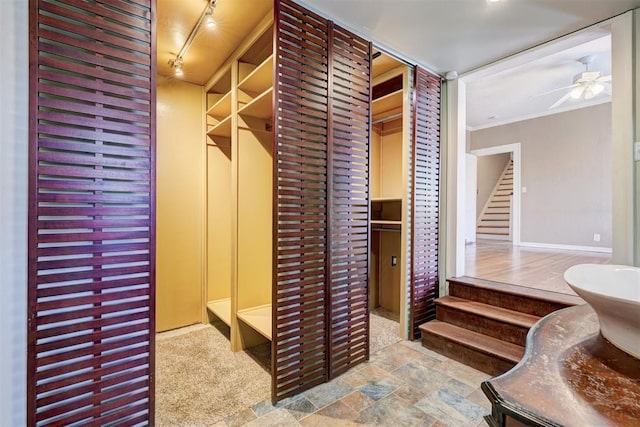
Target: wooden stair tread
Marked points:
474	340
555	297
490	311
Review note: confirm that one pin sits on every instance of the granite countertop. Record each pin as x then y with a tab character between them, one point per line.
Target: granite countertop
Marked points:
571	376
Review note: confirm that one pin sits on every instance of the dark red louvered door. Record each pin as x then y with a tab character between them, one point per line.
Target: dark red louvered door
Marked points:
349	125
299	358
321	161
91	212
425	199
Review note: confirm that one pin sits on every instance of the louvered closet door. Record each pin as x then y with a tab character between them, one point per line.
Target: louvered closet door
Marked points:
349	195
91	212
321	210
299	347
425	208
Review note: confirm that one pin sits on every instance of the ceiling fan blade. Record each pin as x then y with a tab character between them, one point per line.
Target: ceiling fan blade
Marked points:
561	101
555	90
604	78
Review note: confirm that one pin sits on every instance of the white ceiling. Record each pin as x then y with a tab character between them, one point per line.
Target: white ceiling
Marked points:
521	92
463	35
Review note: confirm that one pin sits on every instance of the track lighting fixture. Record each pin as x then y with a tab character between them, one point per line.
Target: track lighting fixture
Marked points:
177	66
206	17
210	20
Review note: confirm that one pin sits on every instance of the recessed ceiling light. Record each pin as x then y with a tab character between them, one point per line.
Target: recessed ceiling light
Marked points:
492	1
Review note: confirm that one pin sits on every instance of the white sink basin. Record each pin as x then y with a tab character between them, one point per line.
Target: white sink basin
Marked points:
613	291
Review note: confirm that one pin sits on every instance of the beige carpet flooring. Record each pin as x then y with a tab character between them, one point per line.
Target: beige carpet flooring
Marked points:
199	380
384	330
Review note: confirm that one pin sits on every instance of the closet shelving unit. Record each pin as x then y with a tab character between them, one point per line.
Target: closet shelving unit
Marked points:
386	212
219	112
219	194
389	105
255	189
257	90
390	188
240	190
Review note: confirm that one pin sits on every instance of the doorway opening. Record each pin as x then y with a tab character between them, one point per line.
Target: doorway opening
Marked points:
560	212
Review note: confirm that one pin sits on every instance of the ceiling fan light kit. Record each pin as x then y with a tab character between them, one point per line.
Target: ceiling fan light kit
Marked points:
586	85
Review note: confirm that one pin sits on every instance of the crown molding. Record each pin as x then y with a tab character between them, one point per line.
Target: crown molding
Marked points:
495	123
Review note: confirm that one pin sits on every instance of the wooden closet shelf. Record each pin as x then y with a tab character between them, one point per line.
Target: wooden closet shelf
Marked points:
261	107
259	79
223	128
386	103
222	108
386	199
385	222
259	318
222	309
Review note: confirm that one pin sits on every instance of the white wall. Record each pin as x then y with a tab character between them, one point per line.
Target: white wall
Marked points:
566	168
13	210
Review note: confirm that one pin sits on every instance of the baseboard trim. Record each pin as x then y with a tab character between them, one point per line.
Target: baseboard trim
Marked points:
567	247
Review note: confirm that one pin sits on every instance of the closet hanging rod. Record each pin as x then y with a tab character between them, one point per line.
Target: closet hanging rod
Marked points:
387	118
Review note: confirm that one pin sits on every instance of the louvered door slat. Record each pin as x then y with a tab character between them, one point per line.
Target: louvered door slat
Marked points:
349	194
91	212
425	198
299	321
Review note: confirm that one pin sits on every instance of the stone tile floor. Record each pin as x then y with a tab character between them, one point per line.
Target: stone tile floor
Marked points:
402	385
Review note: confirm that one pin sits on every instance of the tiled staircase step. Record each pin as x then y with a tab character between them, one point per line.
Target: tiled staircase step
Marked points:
527	300
482	352
507	325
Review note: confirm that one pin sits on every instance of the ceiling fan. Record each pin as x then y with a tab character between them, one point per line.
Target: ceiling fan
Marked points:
587	84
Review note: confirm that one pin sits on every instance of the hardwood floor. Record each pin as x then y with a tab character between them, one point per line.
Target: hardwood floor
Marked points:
530	267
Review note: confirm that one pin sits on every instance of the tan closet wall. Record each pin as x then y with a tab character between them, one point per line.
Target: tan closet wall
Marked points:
386	182
179	229
219	224
391	179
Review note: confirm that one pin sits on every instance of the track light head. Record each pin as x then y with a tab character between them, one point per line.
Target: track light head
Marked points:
176	64
209	19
